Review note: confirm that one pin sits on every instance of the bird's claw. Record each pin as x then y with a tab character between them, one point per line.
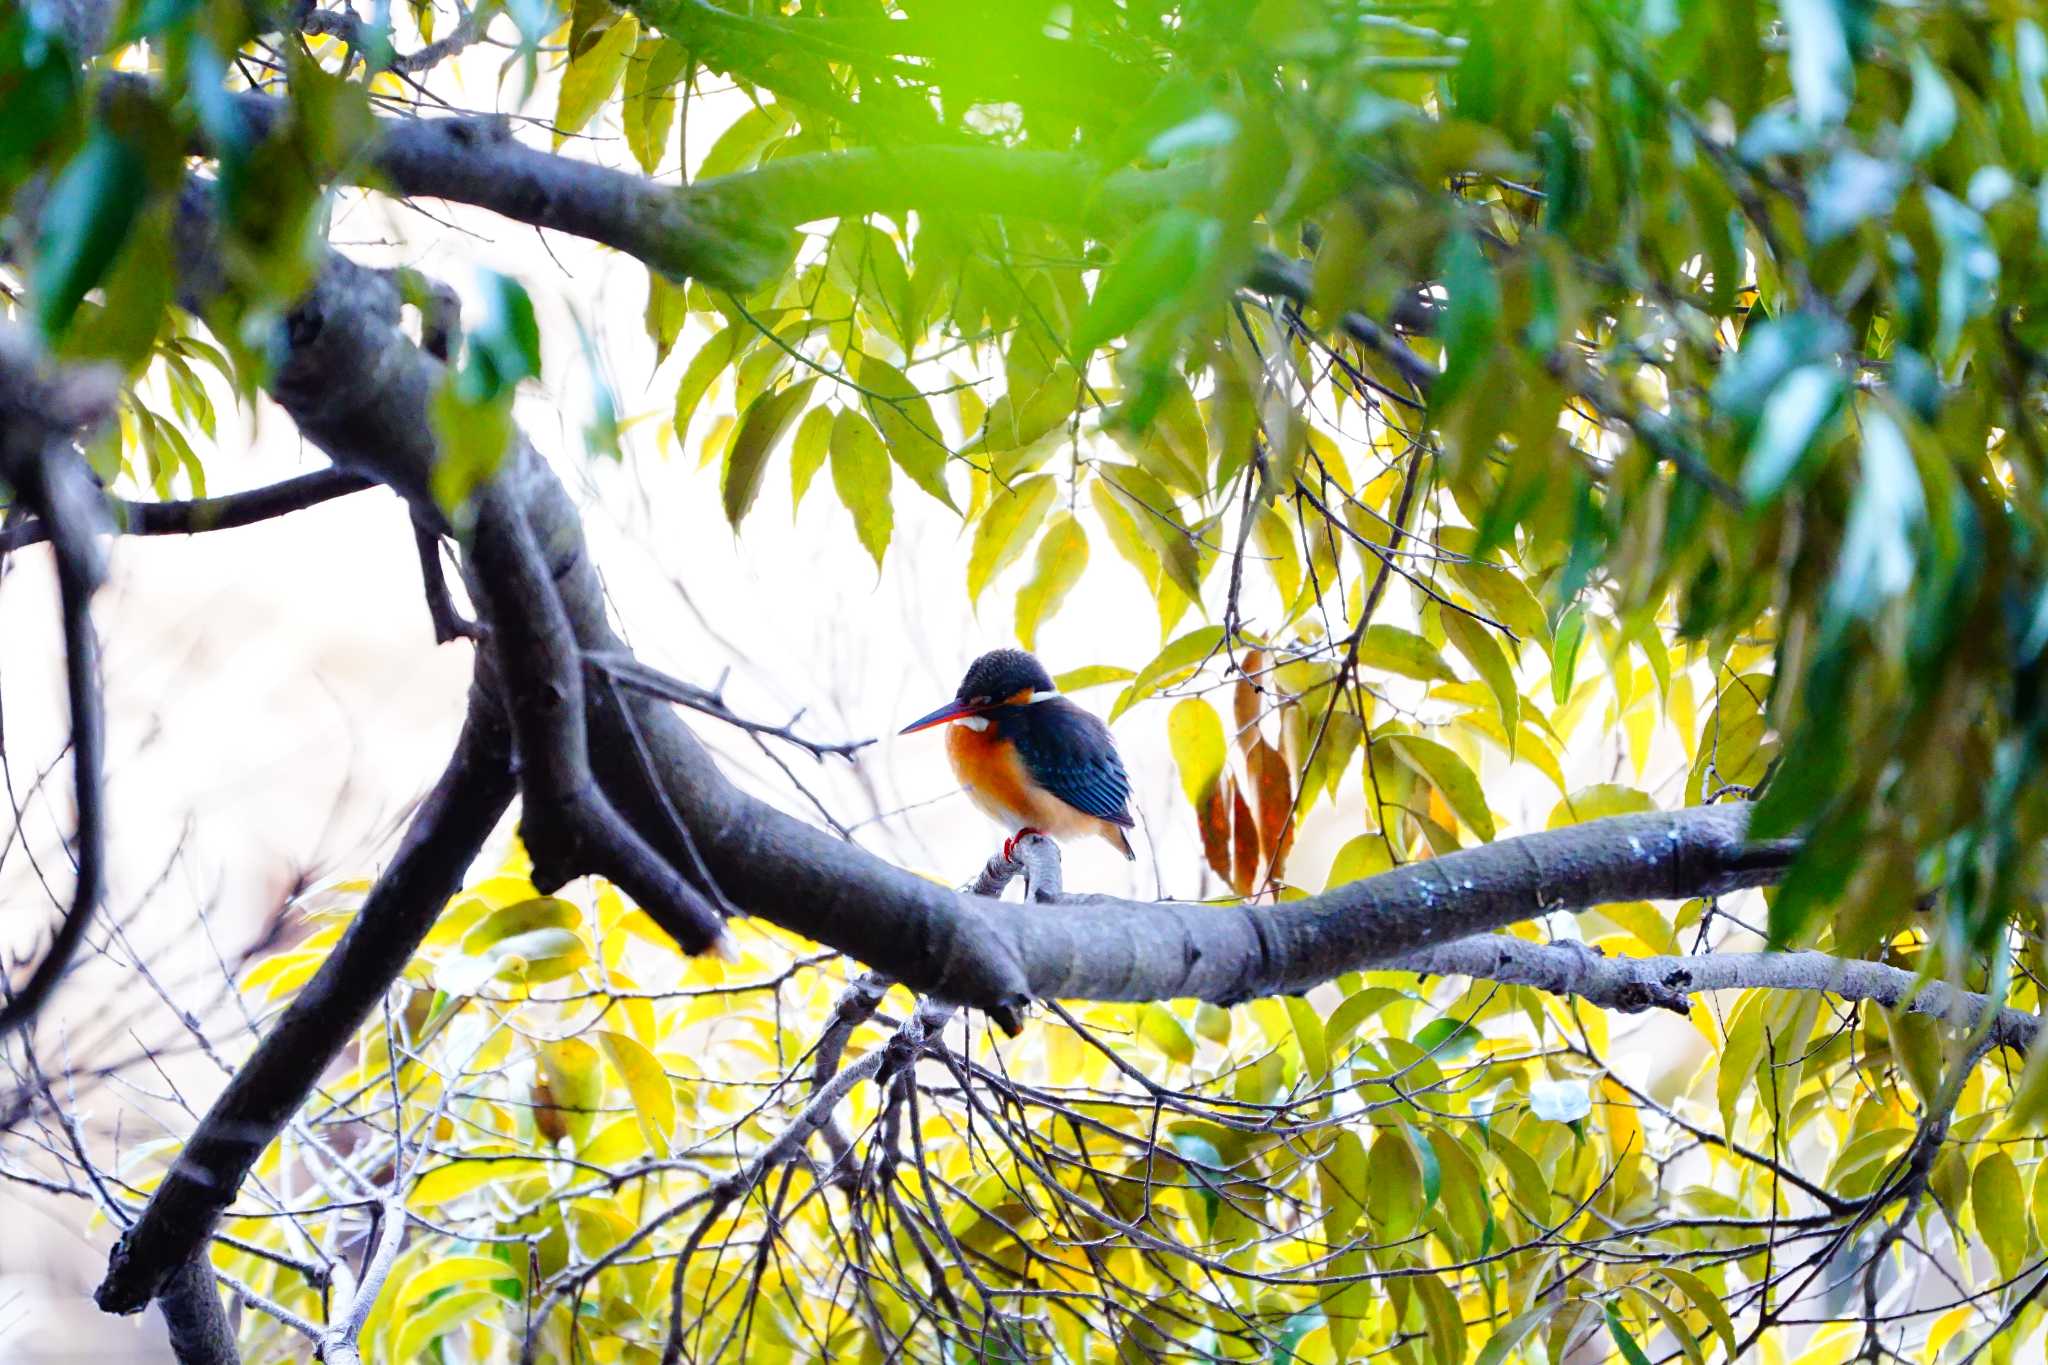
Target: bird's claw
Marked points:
1010	844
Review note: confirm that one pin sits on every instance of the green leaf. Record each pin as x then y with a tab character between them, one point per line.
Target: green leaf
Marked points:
2030	53
1093	675
1999	1205
1931	119
1307	1027
1062	556
1195	734
1364	855
1506	598
1804	404
760	428
1823	77
1969	265
808	451
1150	515
1770	351
1157	1026
592	75
860	472
85	220
1171	665
1502	1344
1446	1039
907	425
652	79
1490	662
1342	1179
1446	772
531	940
1287	1345
1204	1163
1706	1302
1006	528
502	348
1673	1323
705	367
1394	1184
1876	561
1623	1340
1852	188
1471	316
1597	802
1153	267
1391	649
654	1099
1564	652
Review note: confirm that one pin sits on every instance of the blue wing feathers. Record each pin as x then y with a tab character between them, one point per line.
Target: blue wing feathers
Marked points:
1069	752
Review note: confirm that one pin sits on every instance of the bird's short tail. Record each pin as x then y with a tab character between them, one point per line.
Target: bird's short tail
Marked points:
1122	841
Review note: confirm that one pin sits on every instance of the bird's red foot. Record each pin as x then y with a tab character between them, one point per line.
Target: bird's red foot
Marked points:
1010	844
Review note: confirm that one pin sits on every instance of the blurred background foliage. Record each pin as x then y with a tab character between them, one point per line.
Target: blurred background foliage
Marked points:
1464	381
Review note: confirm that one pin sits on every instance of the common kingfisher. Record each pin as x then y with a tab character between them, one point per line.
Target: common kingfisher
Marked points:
1031	759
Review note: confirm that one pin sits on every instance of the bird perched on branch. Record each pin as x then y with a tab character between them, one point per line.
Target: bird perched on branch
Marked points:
1031	759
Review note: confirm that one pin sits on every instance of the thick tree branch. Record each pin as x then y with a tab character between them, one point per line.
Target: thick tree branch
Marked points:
737	231
569	824
194	1317
445	835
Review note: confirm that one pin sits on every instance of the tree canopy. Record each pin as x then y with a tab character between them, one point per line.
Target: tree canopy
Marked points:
1473	387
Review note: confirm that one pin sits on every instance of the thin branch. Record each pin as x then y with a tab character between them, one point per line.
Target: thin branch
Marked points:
195	516
449	828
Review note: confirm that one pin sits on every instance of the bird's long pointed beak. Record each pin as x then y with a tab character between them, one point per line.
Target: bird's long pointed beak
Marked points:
952	710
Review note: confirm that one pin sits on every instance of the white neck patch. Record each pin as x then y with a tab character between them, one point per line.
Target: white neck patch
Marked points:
1037	697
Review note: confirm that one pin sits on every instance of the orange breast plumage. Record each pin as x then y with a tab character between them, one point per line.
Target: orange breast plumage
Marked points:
996	779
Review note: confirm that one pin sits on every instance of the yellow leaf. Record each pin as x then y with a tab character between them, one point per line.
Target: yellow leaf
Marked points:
860	473
907	425
1597	802
1393	650
753	441
1195	733
1492	665
1006	528
2000	1206
1157	1026
1062	555
592	75
807	453
1362	856
654	1099
1449	774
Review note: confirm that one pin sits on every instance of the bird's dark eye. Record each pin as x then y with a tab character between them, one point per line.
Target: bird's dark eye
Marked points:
977	701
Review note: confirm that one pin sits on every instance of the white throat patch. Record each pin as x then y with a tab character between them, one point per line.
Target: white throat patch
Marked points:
975	723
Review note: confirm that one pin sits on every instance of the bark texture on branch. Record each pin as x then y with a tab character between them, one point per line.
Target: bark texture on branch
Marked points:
194	1317
1631	984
